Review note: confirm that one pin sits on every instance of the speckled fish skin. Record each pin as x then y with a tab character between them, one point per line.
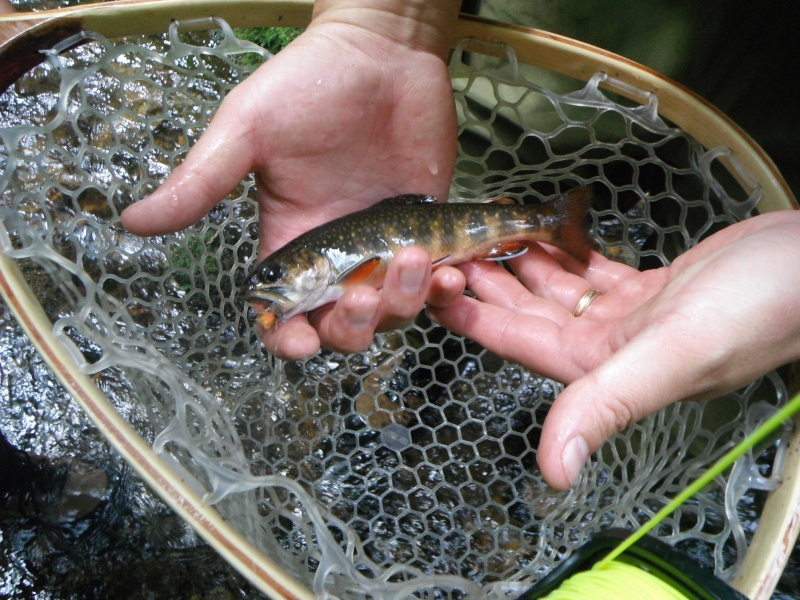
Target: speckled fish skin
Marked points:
316	267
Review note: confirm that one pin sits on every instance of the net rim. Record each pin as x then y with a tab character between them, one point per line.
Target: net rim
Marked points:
23	36
258	568
764	561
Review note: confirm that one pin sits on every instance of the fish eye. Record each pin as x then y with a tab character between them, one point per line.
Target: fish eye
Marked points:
271	273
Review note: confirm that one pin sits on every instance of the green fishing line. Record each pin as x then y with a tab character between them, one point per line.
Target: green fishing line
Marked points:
723	464
610	578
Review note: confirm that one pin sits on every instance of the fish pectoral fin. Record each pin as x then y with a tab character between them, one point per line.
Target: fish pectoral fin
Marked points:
360	272
505	250
499	200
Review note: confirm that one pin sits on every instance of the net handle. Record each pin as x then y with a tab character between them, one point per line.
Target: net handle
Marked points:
22	36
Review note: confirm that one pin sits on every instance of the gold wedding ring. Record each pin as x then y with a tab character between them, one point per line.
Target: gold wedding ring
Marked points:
584	302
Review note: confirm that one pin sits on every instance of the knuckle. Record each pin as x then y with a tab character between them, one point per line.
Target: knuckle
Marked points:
621	414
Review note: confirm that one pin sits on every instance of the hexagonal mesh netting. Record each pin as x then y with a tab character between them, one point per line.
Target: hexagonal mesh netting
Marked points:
410	467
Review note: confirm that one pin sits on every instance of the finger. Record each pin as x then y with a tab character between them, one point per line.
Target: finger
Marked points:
404	288
545	276
292	339
599	271
493	284
641	378
447	286
213	167
350	325
533	341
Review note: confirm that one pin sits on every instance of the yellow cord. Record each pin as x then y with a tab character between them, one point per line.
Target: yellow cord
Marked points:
611	578
615	580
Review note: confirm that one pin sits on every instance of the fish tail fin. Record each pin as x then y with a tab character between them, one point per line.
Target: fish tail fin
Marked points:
571	210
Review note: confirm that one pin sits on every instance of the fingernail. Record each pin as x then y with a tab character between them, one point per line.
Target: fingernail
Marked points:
411	279
364	316
574	457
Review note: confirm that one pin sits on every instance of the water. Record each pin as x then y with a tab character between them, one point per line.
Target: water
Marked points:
132	545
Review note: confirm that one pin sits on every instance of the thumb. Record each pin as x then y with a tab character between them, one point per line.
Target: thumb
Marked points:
213	167
648	373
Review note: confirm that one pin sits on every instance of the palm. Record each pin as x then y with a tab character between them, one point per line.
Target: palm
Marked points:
345	130
329	126
722	314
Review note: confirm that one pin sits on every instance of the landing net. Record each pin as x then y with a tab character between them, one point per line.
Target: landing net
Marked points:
409	468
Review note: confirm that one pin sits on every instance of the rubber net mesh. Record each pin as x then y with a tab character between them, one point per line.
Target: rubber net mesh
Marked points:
409	468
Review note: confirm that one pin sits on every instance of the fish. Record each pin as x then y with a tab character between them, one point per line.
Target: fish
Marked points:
316	267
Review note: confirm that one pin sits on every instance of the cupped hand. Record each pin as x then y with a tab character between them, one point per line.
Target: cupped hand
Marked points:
724	313
340	119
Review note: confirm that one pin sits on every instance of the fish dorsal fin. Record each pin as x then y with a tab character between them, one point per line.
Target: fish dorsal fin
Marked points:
359	272
506	250
499	200
405	199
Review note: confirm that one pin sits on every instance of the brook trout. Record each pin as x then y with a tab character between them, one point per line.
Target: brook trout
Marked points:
316	267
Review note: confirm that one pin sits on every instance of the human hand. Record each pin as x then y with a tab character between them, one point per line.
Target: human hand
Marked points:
356	109
724	313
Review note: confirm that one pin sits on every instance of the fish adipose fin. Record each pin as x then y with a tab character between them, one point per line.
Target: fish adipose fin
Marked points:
360	272
572	232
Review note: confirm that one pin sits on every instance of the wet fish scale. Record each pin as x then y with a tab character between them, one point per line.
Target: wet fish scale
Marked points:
316	267
444	227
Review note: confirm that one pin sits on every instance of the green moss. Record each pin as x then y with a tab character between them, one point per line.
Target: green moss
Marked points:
273	39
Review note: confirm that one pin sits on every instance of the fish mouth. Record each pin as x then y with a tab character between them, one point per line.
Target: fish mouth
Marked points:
276	302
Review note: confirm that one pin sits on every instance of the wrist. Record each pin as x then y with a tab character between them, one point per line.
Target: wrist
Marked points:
425	25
